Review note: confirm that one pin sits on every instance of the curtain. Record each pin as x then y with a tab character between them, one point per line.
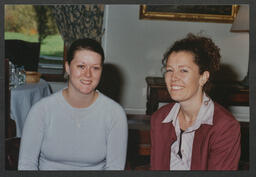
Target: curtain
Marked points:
79	21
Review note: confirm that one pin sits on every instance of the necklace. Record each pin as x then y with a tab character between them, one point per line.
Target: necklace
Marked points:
76	120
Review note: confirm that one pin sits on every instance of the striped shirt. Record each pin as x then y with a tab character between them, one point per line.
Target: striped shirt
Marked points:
205	116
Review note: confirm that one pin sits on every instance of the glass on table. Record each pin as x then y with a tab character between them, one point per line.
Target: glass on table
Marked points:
21	75
12	75
17	75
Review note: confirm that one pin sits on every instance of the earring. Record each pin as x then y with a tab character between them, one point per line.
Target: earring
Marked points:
66	75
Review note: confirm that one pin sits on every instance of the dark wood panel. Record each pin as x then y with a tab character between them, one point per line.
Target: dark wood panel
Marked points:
54	77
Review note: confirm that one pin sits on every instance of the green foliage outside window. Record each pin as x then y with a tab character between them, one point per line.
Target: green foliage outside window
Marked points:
45	23
20	18
34	23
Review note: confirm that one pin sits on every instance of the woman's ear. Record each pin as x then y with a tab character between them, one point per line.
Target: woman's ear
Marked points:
204	78
67	68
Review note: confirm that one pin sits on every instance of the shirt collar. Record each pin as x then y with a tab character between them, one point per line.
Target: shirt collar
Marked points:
205	115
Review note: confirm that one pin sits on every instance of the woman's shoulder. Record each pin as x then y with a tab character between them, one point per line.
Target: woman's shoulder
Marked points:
108	103
48	101
112	111
222	116
162	112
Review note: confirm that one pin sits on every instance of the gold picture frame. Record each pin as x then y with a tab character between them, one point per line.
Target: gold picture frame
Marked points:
196	13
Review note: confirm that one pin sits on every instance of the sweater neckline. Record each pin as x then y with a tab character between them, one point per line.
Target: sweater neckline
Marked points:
68	106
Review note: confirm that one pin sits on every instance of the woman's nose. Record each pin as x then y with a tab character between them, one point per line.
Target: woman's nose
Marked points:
87	72
174	76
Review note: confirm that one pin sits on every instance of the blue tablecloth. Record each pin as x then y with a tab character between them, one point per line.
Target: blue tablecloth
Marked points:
22	99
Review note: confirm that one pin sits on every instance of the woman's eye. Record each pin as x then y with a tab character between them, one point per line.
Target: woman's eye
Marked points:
81	66
168	70
96	68
184	70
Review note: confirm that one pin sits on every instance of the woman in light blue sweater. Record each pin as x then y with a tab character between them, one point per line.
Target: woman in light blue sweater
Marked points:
77	128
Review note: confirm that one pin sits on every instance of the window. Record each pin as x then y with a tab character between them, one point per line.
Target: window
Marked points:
22	22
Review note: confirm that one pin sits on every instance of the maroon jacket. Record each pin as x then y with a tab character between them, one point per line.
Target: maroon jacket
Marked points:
215	147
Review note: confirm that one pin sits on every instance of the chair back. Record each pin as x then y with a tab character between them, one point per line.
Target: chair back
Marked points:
12	147
23	53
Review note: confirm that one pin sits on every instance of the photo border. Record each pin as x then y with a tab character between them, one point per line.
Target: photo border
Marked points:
252	99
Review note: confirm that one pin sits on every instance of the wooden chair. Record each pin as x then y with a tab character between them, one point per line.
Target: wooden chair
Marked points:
138	153
23	53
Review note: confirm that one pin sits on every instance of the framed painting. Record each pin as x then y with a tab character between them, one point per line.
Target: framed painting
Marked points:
197	13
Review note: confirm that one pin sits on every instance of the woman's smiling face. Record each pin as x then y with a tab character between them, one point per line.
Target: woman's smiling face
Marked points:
84	71
182	77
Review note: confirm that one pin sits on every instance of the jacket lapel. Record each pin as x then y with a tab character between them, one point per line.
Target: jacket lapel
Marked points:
200	148
169	138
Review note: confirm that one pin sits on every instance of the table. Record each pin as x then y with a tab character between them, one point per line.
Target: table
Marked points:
22	99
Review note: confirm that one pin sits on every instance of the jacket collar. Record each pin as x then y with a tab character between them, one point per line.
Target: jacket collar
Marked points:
205	115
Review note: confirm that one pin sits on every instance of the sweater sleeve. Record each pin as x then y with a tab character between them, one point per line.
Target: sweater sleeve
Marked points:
117	142
31	139
225	148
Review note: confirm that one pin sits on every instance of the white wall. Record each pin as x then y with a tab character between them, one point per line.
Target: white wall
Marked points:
136	47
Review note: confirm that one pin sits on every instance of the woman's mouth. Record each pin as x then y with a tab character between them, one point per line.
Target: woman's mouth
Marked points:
86	82
175	87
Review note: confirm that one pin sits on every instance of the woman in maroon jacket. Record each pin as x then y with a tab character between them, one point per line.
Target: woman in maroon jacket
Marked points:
194	133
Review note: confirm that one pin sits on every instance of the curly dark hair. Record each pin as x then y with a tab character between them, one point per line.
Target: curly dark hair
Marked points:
206	54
